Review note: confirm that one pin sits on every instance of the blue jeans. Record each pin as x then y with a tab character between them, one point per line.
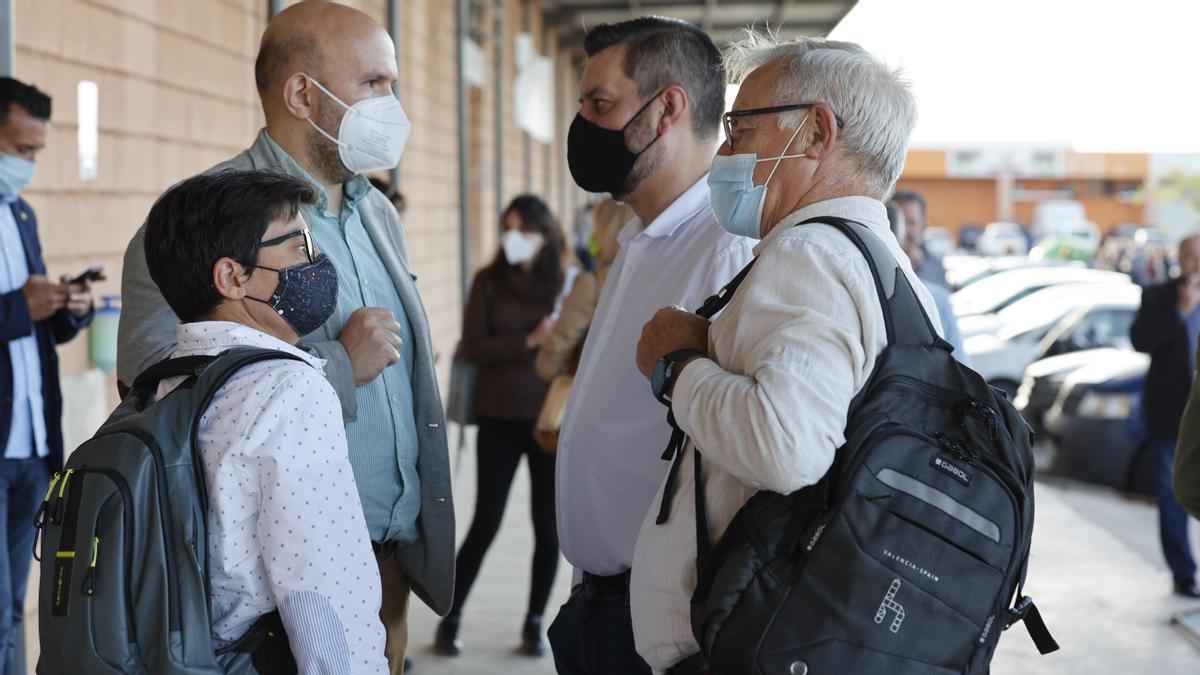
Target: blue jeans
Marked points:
22	486
1172	519
593	635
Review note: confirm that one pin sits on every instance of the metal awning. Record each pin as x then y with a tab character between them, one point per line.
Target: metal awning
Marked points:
723	19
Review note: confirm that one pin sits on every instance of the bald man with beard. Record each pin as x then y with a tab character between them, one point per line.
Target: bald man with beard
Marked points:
318	60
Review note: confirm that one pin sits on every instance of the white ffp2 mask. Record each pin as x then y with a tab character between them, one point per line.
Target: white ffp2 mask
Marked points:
372	134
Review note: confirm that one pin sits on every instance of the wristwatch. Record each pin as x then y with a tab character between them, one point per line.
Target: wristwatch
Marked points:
665	372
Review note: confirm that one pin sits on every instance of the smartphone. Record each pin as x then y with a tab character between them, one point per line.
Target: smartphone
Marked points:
92	274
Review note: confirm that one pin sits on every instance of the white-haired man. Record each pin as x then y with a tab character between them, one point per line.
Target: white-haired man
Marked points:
819	128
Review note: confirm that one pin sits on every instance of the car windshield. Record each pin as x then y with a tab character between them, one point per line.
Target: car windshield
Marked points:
988	295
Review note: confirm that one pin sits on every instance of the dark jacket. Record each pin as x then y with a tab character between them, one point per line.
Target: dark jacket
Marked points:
16	323
501	310
1159	331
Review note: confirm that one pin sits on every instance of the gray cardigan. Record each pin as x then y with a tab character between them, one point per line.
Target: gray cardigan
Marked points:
147	335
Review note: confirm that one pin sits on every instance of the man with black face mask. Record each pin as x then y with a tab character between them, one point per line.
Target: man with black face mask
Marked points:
652	94
324	74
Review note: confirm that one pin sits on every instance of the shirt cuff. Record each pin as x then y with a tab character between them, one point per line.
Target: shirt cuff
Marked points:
685	391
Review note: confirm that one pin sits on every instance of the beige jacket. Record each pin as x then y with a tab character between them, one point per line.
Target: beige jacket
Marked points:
559	350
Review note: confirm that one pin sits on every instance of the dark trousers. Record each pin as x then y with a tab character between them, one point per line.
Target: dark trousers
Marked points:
593	635
22	487
1172	519
500	446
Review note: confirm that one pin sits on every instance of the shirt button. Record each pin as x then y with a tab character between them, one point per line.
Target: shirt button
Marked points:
364	281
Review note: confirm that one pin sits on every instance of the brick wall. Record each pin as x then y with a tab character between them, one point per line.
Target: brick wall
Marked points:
177	96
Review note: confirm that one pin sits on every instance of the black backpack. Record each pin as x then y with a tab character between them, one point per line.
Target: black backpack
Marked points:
124	541
909	556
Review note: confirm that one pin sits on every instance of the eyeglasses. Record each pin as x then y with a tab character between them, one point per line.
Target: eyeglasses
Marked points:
302	232
727	118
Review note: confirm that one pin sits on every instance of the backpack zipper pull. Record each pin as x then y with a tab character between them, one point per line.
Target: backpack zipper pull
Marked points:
56	511
39	518
89	577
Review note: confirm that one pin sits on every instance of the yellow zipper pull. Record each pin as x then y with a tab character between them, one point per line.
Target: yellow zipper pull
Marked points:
39	518
56	512
89	577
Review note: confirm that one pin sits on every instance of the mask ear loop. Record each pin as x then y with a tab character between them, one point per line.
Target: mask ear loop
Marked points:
779	159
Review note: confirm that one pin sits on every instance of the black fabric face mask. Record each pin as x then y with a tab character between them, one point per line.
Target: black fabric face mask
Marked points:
598	158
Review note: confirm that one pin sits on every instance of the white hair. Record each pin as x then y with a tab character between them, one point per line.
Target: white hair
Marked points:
873	100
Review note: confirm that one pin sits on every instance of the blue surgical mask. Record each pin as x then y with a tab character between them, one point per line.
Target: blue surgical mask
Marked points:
15	174
737	202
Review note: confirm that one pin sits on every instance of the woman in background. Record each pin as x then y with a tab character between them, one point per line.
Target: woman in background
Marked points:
507	318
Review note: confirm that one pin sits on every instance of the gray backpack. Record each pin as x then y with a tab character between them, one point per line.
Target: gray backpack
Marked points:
909	557
124	551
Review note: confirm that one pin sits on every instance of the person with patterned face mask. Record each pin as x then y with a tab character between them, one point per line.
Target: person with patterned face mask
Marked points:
324	74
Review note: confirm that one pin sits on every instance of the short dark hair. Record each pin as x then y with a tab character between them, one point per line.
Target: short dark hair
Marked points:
910	197
33	100
209	217
661	51
275	54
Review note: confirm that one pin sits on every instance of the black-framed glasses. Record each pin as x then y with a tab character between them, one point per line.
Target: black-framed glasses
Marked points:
302	232
727	118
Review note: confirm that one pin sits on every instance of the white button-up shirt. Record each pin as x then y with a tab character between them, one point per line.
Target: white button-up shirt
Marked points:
285	524
795	344
27	432
614	431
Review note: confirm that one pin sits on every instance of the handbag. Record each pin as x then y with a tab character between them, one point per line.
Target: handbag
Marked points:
464	382
549	421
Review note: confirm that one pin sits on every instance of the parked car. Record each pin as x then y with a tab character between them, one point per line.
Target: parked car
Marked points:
1044	378
938	241
962	271
1003	239
1003	288
968	236
1095	315
1096	424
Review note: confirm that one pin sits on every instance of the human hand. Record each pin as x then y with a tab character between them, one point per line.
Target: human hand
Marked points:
44	297
539	334
669	330
372	341
80	301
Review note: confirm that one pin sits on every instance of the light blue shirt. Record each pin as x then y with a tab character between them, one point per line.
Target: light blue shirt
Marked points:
383	440
28	429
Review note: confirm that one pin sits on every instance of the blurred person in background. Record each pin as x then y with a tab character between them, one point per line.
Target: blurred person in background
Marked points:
929	267
560	353
1167	327
939	292
507	317
36	314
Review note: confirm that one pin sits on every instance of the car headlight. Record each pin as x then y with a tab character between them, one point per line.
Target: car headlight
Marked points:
1104	405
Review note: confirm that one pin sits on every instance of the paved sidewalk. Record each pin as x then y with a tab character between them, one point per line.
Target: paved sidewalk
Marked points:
1096	574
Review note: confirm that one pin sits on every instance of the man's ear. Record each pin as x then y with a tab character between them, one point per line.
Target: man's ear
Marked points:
675	105
230	278
299	96
822	133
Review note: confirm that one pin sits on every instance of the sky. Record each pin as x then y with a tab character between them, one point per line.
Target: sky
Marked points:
1090	75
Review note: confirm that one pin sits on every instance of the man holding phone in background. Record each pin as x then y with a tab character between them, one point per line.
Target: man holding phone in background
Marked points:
36	314
1167	328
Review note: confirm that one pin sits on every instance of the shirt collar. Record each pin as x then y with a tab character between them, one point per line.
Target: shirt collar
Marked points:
205	337
865	210
680	212
354	189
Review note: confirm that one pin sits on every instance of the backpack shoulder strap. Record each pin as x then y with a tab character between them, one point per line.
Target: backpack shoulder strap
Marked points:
905	318
220	368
